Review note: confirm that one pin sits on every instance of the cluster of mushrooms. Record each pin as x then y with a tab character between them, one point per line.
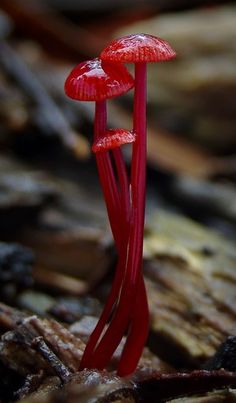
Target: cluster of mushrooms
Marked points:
126	310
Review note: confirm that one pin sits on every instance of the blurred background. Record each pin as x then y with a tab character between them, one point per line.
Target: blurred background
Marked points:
50	197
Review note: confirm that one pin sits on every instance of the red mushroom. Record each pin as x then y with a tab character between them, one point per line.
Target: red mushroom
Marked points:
127	302
139	49
113	138
96	81
92	81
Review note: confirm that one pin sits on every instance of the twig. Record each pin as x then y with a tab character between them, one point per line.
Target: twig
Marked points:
60	369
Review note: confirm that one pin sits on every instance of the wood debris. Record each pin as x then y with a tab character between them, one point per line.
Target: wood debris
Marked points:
190	282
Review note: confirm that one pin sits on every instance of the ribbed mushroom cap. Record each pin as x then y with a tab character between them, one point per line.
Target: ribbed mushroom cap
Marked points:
113	138
95	80
138	48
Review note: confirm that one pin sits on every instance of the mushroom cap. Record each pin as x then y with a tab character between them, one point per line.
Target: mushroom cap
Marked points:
94	80
138	48
113	138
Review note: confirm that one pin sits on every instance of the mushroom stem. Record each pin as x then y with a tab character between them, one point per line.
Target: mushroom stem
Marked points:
106	174
138	329
96	338
124	190
137	334
138	172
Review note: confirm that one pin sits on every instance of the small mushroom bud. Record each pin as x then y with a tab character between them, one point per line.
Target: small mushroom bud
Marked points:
113	138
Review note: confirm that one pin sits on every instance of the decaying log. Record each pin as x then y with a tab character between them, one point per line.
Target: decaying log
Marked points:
191	288
103	387
190	277
89	385
163	387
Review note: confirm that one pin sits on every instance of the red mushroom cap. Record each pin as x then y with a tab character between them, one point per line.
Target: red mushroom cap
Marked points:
138	48
113	138
95	80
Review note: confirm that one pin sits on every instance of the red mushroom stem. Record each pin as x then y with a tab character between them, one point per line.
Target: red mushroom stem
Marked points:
137	335
138	331
97	337
106	174
138	174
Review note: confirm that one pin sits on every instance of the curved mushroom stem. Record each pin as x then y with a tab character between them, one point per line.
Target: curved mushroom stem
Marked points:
88	359
137	334
106	174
